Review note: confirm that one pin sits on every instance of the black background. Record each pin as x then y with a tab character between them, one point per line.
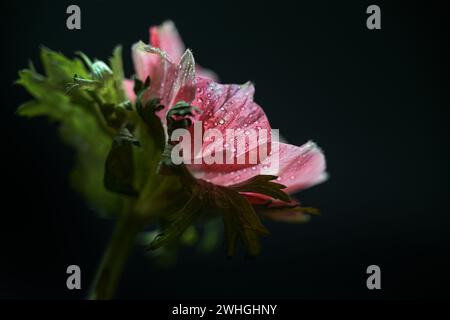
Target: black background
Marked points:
375	101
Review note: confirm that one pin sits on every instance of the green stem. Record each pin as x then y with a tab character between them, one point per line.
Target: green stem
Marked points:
111	267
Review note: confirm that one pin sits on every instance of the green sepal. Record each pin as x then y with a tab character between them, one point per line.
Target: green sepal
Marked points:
239	217
140	87
59	69
147	112
119	165
263	184
177	118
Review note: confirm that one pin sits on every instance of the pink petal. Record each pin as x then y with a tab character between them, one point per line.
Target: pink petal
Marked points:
229	106
299	168
206	73
183	87
167	38
146	64
169	82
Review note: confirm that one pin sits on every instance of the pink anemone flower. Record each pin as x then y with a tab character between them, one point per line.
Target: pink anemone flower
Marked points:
222	107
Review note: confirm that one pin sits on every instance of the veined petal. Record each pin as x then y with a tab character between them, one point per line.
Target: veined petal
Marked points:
183	88
167	38
230	108
298	168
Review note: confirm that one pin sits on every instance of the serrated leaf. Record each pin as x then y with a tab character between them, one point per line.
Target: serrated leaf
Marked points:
240	221
263	184
79	121
59	69
183	219
33	108
39	86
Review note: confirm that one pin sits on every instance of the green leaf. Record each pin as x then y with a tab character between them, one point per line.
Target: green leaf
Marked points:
240	222
117	67
183	219
262	184
81	119
42	89
59	69
33	108
119	166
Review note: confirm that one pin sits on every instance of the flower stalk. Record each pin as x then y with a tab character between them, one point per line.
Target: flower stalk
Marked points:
113	262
